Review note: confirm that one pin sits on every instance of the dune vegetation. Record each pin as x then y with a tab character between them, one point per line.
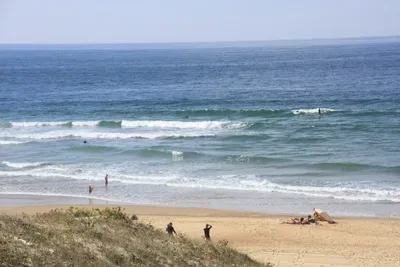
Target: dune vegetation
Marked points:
104	237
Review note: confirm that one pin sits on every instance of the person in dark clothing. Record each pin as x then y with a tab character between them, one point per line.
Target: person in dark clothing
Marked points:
106	180
90	188
170	229
207	231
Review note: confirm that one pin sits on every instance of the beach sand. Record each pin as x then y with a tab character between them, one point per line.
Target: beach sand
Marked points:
352	242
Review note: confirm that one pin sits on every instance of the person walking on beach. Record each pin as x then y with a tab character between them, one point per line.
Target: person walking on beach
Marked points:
106	180
207	231
170	229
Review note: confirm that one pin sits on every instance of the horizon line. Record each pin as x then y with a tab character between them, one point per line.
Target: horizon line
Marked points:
208	42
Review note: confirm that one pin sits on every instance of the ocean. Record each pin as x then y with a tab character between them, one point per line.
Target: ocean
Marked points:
267	128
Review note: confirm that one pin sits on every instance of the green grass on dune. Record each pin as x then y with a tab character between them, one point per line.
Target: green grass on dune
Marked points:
103	237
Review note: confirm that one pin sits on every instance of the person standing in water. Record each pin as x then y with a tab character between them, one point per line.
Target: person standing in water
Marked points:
90	188
106	180
207	231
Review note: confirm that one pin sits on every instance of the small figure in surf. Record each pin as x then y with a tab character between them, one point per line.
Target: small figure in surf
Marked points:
91	187
319	111
170	229
106	180
207	231
85	142
186	117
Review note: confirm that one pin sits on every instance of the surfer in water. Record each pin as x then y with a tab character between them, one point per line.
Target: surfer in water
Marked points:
85	142
319	111
106	180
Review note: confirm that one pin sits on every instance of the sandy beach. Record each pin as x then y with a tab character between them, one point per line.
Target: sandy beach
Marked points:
351	242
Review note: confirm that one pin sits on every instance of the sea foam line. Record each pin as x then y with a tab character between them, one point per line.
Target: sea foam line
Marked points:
7	142
229	183
107	135
25	193
137	124
22	165
313	111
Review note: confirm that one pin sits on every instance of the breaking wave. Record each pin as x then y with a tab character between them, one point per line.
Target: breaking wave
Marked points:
313	111
135	124
348	191
24	165
110	135
9	142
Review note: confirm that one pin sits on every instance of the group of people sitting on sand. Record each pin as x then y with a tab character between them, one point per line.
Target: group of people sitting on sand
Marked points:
309	220
319	215
171	230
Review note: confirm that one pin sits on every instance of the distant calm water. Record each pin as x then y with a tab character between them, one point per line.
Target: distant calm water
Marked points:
234	127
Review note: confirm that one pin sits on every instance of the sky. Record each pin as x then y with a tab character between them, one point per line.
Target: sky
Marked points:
153	21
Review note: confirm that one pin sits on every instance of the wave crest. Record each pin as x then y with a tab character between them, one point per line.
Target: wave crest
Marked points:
111	135
9	142
312	111
136	124
23	165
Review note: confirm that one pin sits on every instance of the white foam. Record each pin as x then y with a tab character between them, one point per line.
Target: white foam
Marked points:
184	124
106	135
6	142
177	153
39	123
312	111
350	194
33	174
62	195
122	173
89	173
85	123
54	123
347	193
141	123
21	165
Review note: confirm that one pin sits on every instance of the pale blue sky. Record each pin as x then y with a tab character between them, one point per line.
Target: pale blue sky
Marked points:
137	21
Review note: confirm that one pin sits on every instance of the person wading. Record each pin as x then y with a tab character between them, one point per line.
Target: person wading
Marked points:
106	180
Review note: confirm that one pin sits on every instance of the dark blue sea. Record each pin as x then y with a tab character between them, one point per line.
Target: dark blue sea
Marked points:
276	129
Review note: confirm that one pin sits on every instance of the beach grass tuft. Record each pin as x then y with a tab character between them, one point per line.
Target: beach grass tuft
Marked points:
104	237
